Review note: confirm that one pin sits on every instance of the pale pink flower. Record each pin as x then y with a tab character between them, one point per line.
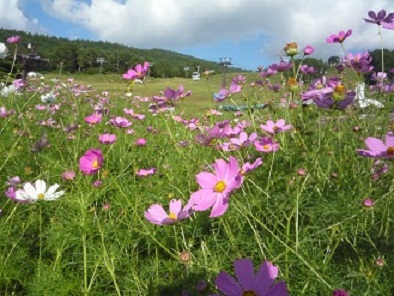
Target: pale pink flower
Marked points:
266	144
157	215
275	127
68	175
248	167
94	118
145	172
140	142
119	121
216	187
107	138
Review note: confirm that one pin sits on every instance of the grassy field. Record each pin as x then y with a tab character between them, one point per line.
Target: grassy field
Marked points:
304	208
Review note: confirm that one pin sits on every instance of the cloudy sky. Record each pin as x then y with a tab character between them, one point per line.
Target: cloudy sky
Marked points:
251	32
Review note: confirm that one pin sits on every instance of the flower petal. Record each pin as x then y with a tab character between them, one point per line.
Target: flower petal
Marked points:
220	206
244	270
225	283
375	145
41	186
202	199
175	206
279	289
206	180
265	277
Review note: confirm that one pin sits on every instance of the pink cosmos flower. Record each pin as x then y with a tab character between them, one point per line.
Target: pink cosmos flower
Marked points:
94	118
146	172
119	121
97	183
140	142
13	39
338	38
261	284
216	187
243	141
378	149
107	138
275	127
68	175
3	112
239	79
157	215
14	181
91	162
368	203
266	144
138	72
248	167
308	50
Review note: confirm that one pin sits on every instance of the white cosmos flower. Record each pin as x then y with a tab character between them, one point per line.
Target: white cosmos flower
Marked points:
31	193
48	98
3	51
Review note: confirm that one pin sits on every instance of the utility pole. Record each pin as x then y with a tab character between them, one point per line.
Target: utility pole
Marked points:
224	62
186	69
101	61
30	60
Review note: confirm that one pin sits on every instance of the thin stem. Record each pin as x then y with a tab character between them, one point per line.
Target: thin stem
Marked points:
381	46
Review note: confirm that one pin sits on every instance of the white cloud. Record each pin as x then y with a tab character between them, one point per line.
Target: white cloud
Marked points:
11	16
177	24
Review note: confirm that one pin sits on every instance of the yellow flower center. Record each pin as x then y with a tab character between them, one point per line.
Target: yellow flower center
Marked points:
266	147
40	196
172	216
249	293
292	82
219	187
390	150
340	88
339	92
95	164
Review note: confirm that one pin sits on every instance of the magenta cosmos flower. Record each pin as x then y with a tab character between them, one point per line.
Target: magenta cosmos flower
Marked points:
138	72
338	38
157	215
378	149
340	292
107	138
261	284
216	187
380	17
275	127
91	161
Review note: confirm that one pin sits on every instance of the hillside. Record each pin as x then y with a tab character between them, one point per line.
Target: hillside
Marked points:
81	56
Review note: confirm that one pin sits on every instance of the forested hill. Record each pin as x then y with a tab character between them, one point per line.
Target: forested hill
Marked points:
81	56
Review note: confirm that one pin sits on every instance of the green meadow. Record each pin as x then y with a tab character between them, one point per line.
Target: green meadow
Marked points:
96	241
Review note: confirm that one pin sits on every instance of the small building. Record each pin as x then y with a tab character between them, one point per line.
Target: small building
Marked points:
196	76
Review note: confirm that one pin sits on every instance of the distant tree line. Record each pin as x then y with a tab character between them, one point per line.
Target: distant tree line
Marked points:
81	56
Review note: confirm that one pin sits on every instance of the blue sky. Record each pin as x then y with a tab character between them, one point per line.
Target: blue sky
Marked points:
251	32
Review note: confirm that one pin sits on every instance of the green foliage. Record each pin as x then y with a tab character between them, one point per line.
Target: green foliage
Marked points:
314	227
81	56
